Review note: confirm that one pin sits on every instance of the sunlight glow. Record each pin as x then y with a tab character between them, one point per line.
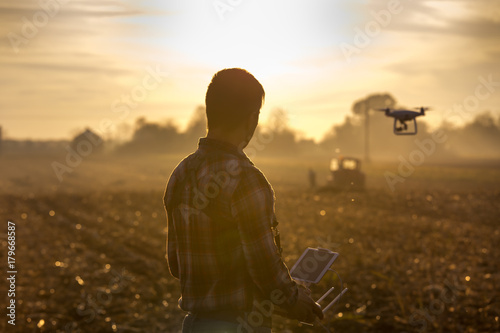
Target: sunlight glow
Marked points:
69	74
266	42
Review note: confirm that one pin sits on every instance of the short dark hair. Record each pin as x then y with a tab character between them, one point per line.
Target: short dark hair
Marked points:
232	95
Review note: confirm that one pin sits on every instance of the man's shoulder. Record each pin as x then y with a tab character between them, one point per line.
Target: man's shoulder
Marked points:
178	174
181	168
253	179
251	171
240	170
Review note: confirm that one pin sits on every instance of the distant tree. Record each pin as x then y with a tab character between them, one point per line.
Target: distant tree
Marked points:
478	139
278	121
372	102
151	137
345	138
276	137
197	125
166	138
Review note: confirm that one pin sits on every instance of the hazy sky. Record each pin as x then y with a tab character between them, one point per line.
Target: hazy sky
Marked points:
78	63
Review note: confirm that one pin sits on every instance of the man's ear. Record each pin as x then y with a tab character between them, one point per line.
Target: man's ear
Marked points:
251	124
254	118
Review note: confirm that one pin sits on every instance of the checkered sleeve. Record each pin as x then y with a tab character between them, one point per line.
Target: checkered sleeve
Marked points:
173	264
171	246
253	208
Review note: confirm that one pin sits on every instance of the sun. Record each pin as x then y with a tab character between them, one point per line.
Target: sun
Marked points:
266	38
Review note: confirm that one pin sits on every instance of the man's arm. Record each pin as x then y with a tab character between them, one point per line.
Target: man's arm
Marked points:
173	263
171	246
253	208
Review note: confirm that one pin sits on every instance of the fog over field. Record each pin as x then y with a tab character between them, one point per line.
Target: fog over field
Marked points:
475	141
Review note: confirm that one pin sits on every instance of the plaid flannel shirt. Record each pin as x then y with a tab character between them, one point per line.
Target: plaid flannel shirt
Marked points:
220	244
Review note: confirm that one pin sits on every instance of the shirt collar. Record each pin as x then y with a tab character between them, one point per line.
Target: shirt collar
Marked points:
209	143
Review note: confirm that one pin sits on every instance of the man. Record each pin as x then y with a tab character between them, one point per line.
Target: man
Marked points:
220	211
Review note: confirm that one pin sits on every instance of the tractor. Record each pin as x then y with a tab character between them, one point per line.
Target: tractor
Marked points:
346	174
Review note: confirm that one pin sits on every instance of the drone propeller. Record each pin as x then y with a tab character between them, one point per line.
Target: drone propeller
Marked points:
385	110
425	108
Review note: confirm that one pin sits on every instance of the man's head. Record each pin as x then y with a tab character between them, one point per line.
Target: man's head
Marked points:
233	100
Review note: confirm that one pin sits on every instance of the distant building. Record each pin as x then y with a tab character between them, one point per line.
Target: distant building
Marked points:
87	142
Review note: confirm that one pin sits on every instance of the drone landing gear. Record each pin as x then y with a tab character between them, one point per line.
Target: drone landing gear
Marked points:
403	129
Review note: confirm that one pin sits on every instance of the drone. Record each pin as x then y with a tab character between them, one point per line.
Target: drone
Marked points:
402	116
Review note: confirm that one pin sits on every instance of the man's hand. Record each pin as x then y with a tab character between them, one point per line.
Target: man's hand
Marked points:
305	309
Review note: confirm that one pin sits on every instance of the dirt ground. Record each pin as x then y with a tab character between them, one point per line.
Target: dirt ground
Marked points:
90	248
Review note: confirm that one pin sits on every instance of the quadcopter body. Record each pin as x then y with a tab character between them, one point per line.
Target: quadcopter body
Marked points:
402	116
